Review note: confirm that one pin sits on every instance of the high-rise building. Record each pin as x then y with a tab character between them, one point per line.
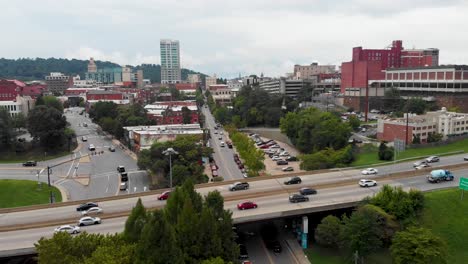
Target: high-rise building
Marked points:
170	61
193	78
57	82
92	65
210	81
312	70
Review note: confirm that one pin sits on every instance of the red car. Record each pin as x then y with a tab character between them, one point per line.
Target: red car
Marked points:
164	195
264	146
246	205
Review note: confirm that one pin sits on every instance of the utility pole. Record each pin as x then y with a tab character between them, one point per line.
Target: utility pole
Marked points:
407	126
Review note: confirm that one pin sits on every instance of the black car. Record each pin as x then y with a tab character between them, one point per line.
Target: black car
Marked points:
293	180
273	245
291	158
112	149
121	169
86	206
30	163
307	191
243	252
123	176
297	198
281	162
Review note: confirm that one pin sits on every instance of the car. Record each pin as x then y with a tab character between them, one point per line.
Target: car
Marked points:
276	158
89	220
287	169
247	205
419	163
124	177
220	138
239	186
222	144
120	169
281	162
243	252
367	183
216	132
164	195
465	158
85	125
86	206
221	132
245	175
369	171
264	146
240	165
284	154
307	191
422	166
84	138
92	211
91	147
291	158
275	146
30	163
273	245
298	198
70	229
432	159
229	144
123	186
293	180
111	148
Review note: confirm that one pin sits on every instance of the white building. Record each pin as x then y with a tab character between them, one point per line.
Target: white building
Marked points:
210	81
284	86
21	105
193	78
235	84
170	61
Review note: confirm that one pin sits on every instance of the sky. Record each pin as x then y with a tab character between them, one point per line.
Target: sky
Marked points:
226	37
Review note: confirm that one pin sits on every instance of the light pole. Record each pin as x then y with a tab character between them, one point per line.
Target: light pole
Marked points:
170	152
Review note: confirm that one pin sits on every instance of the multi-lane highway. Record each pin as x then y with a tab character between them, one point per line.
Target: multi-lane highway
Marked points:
222	155
98	174
270	195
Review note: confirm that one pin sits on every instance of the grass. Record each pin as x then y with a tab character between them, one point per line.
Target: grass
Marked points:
447	216
12	157
444	214
370	156
320	255
17	193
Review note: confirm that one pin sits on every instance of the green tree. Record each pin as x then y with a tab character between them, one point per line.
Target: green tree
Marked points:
47	125
354	122
328	232
393	102
103	109
19	120
216	260
135	223
52	101
7	135
115	251
416	139
186	115
416	105
385	153
418	246
434	137
397	202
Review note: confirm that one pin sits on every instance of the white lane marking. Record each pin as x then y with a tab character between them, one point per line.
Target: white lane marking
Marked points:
107	187
71	166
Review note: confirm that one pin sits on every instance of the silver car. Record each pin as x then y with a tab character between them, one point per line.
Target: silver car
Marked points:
92	211
88	220
70	229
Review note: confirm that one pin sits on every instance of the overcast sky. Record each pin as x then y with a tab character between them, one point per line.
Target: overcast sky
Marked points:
228	37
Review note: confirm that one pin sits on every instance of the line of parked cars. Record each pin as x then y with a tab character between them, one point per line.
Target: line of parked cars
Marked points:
87	211
274	151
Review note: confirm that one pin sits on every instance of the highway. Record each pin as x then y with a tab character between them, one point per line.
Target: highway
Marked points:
222	155
270	205
99	169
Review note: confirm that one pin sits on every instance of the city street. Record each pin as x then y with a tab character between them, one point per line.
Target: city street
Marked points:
222	155
82	174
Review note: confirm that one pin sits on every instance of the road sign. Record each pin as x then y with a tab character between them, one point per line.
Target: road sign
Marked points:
464	184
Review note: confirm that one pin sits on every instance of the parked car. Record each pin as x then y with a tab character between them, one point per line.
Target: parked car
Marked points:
111	148
287	169
276	146
432	159
275	158
367	183
124	177
89	220
84	138
30	163
92	211
369	171
86	206
307	191
281	162
243	252
123	186
164	195
229	144
298	198
239	186
120	168
264	146
291	158
85	125
293	180
247	205
284	154
70	229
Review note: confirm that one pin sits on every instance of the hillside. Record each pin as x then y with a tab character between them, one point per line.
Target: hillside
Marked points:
27	69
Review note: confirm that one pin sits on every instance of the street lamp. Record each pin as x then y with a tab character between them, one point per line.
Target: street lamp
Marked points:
170	152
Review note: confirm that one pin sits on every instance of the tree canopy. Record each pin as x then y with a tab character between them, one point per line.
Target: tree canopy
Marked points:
47	125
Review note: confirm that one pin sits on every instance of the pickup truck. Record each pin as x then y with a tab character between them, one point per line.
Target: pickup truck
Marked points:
437	176
239	186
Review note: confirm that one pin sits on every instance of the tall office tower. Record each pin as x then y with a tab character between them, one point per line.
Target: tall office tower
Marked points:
170	61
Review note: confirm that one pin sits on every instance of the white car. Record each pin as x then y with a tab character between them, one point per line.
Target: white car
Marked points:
369	171
92	210
284	154
422	166
88	220
276	158
367	183
222	144
91	147
70	229
275	146
221	132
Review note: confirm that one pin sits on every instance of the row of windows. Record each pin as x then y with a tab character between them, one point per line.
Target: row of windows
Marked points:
426	85
9	107
7	95
424	127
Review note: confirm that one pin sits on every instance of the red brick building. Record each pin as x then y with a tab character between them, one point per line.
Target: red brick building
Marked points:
34	90
10	89
170	112
104	96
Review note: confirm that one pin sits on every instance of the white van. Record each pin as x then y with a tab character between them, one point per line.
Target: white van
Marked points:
91	147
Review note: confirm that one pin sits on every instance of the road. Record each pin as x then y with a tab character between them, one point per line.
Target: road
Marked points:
271	206
100	169
222	155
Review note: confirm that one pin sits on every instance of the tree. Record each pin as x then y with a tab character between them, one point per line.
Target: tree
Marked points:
216	260
328	232
19	120
385	153
362	232
52	101
397	202
354	122
416	105
418	246
392	100
186	115
135	223
7	136
416	139
47	125
115	251
434	137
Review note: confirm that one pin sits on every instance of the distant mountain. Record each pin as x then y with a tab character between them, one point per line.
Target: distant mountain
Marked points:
28	69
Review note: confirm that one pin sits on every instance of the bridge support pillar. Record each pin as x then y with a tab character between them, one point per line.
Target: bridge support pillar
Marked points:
305	232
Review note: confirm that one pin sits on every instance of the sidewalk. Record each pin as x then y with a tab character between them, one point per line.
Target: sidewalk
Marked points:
125	149
297	251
